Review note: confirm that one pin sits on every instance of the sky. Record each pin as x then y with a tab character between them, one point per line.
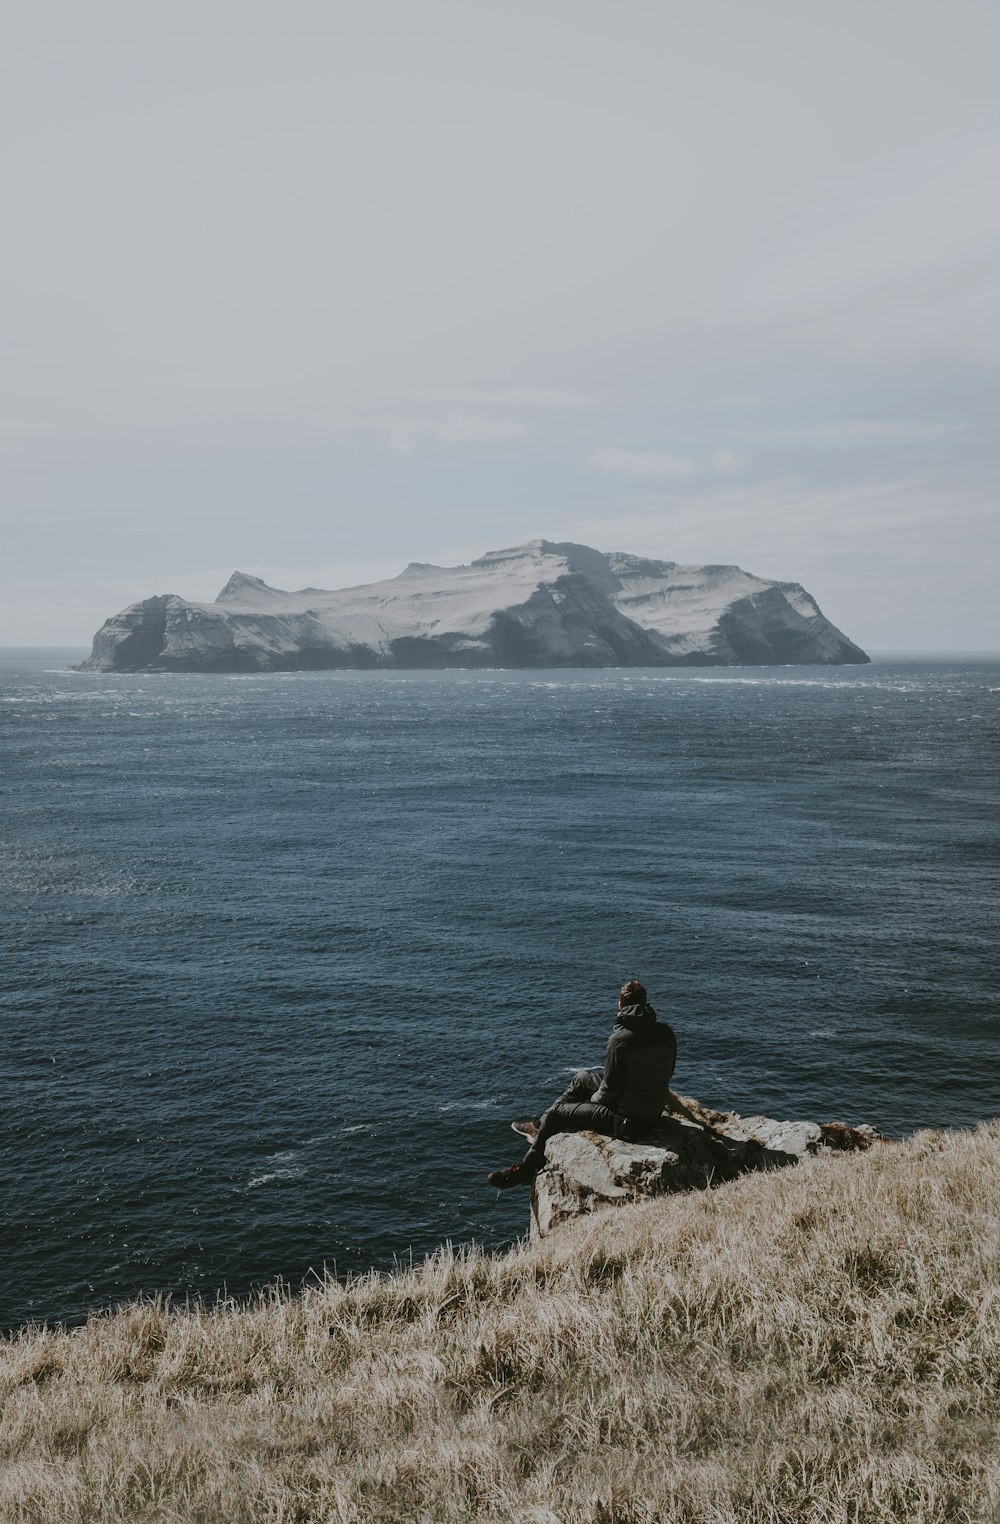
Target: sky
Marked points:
316	289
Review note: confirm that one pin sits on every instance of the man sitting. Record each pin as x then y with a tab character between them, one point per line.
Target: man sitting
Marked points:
622	1101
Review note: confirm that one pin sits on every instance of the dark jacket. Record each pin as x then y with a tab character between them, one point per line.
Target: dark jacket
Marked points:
638	1064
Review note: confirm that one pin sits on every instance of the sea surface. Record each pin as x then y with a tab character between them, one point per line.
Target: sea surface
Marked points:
283	955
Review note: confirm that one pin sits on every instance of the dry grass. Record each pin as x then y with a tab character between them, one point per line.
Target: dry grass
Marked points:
809	1347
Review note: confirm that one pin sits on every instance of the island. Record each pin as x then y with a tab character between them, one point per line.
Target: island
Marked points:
536	605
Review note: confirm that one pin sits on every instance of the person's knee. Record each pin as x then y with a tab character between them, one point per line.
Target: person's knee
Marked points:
554	1120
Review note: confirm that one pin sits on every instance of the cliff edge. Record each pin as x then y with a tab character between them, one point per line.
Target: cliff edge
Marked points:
691	1148
816	1345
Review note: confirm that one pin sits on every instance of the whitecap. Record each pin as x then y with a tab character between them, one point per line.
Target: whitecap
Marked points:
294	1172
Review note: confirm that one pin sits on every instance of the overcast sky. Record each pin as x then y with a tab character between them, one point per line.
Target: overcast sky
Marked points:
317	289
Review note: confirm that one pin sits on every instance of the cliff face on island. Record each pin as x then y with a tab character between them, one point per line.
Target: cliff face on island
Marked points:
536	605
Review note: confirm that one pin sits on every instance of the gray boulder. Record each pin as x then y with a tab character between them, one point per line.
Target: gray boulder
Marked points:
692	1148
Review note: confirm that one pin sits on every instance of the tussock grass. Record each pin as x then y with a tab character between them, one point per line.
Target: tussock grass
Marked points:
814	1346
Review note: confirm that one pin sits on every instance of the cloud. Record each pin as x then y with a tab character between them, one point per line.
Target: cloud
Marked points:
10	521
653	463
519	396
454	428
403	434
851	433
459	427
784	526
643	463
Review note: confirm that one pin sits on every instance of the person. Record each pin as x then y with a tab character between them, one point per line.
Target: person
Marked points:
621	1101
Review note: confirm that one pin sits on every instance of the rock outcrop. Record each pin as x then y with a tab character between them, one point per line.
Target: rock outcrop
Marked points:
537	605
692	1148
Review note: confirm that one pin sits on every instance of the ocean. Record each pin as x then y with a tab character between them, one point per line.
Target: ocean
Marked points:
283	955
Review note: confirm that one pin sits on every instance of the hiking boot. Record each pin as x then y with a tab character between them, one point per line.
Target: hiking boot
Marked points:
515	1174
527	1130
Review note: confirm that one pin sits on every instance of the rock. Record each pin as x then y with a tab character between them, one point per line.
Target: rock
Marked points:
691	1148
536	605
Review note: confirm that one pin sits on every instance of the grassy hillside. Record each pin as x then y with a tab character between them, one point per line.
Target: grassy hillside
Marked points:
807	1347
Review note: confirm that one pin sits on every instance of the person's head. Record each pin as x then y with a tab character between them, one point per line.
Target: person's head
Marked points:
632	993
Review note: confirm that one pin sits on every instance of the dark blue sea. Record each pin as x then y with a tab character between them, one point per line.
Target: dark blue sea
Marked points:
283	955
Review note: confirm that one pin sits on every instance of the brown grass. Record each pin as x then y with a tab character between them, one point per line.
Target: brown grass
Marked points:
815	1346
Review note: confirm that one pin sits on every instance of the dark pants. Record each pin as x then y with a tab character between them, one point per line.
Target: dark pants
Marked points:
574	1111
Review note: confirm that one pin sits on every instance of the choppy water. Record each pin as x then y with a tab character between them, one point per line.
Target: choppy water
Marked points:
284	954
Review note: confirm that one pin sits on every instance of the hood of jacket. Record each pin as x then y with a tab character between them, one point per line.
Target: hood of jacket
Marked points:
635	1017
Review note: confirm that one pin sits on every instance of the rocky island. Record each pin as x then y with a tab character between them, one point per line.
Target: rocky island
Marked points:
535	605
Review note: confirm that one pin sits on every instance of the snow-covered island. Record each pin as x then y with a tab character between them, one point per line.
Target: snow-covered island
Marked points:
535	605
